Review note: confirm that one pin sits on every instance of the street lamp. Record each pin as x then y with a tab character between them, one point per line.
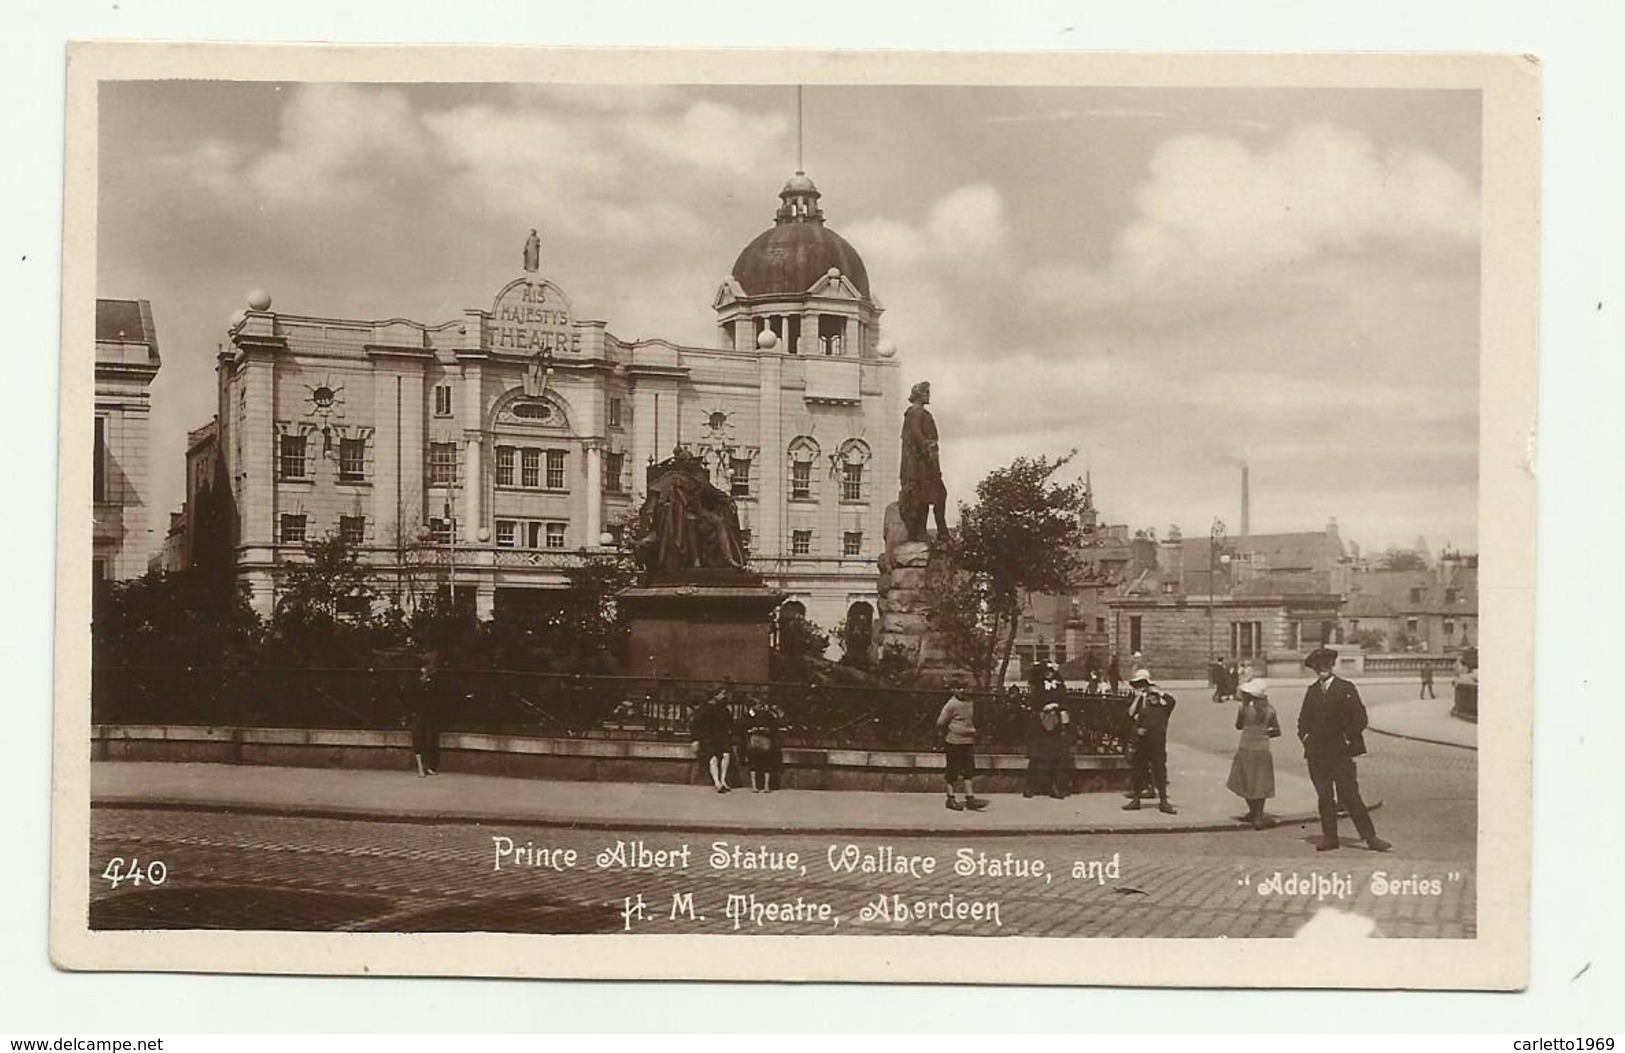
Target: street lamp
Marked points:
1215	539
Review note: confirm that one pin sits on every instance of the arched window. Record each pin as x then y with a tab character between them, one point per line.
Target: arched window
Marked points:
803	453
860	628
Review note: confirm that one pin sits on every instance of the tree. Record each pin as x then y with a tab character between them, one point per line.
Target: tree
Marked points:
1022	534
180	619
967	623
324	604
1402	559
1370	639
591	617
798	646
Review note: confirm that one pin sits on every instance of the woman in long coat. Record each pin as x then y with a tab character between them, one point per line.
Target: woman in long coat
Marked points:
1252	772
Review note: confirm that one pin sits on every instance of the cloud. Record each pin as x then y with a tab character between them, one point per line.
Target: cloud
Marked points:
590	163
713	136
334	140
1217	212
598	98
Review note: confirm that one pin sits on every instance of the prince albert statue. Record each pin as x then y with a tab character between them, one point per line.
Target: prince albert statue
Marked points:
686	523
921	492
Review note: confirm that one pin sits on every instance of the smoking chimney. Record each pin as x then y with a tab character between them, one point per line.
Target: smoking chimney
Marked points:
1246	503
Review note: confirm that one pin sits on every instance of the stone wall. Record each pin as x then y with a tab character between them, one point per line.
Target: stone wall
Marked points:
1175	640
912	577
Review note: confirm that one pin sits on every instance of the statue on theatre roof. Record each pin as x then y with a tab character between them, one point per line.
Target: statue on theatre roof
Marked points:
533	252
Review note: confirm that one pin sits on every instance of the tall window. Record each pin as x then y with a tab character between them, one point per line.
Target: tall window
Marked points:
801	480
1135	643
530	468
555	469
614	412
614	464
505	465
441	530
291	463
1450	595
98	467
1449	627
1247	639
555	535
505	532
1416	594
352	460
442	463
800	542
442	400
852	543
739	476
291	529
353	529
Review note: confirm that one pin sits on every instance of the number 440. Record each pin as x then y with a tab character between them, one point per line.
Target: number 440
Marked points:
119	871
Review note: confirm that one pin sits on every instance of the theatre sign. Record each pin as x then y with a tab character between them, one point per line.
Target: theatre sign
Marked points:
532	316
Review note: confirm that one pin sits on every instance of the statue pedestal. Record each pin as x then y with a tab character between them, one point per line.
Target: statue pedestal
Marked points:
700	624
912	576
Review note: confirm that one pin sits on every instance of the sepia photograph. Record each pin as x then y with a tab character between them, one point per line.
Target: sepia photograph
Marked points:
1055	507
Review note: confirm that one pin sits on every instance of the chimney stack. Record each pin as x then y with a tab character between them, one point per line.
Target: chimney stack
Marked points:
1246	503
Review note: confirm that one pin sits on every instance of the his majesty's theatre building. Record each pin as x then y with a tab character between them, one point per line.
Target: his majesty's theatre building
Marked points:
491	452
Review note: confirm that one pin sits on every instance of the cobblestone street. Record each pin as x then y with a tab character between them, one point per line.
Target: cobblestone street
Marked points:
225	870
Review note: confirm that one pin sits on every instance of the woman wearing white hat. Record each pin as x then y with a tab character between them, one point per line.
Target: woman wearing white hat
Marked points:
1252	772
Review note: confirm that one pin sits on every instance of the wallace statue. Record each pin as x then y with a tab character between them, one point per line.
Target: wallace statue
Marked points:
686	522
920	474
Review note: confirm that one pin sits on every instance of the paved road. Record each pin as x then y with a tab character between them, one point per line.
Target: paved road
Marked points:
235	871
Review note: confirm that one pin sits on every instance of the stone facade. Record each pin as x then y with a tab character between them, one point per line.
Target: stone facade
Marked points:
1432	610
127	361
1178	635
493	451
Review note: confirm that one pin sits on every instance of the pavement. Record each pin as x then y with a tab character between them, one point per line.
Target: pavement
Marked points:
458	797
1424	720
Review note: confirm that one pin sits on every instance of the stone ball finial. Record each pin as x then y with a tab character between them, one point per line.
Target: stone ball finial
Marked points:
259	300
767	339
887	348
834	272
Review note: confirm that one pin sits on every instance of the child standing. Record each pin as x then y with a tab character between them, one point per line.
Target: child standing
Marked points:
958	727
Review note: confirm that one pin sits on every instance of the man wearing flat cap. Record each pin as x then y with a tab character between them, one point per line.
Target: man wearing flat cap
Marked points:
1331	726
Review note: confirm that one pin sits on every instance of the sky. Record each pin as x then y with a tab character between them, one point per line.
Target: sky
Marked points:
1169	281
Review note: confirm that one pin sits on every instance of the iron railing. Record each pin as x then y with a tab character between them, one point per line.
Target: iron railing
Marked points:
570	706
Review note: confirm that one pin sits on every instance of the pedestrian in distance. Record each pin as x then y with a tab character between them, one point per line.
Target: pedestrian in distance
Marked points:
713	731
1331	726
1114	674
957	724
1215	677
763	754
1252	771
1149	710
426	718
1427	681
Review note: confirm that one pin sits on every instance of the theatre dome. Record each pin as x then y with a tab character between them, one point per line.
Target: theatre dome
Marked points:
798	250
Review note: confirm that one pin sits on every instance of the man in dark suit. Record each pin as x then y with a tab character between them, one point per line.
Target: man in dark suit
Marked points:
1331	726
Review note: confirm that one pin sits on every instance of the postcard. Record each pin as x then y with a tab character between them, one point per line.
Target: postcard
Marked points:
871	517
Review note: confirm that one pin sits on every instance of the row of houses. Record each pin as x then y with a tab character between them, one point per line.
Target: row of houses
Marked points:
1259	598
